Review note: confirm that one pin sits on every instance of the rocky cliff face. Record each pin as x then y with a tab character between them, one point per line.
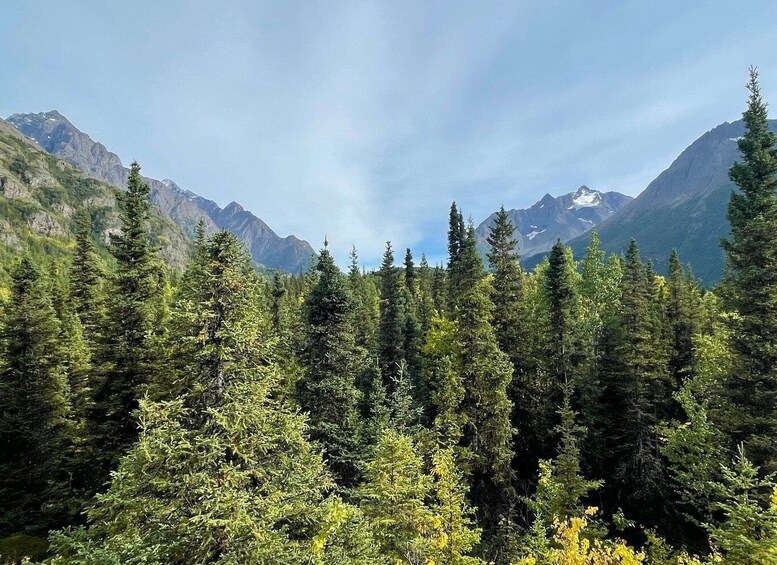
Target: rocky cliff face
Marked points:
564	217
55	134
40	197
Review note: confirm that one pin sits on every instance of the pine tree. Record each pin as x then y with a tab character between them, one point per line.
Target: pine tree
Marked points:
333	363
127	358
751	284
223	473
36	425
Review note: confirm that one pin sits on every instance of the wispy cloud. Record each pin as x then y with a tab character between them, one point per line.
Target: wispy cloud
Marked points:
363	121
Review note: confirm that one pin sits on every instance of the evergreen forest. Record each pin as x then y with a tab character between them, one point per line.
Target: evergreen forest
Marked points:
591	411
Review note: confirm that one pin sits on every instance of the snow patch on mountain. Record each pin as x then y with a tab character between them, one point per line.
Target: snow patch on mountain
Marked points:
534	234
585	198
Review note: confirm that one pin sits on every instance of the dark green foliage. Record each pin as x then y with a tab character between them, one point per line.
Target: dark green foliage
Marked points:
507	293
224	472
366	298
86	281
751	284
36	420
564	348
128	359
748	531
14	549
637	396
391	342
431	396
327	391
457	234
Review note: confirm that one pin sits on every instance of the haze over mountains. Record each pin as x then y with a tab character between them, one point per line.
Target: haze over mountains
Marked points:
55	134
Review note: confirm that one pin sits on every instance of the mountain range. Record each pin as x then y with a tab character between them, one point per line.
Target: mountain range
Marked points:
564	217
41	197
57	135
42	187
684	207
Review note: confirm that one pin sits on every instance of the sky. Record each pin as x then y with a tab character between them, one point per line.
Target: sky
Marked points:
362	121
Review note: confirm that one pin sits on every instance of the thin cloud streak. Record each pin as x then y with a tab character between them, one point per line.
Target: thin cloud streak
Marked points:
362	122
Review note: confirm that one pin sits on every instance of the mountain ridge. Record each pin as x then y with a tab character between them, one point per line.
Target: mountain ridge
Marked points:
54	133
551	218
684	207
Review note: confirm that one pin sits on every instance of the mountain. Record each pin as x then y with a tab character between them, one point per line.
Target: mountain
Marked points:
684	207
564	217
40	197
55	134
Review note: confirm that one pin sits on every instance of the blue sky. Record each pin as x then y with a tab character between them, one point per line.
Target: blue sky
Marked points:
362	121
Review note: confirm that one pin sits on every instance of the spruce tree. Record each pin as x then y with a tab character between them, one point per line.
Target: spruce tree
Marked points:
486	373
458	533
507	283
366	305
328	391
86	281
394	499
751	285
682	315
224	473
636	397
564	346
36	424
442	368
127	357
562	486
457	234
391	340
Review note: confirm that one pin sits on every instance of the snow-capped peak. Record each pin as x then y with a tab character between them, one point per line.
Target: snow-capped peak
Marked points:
586	198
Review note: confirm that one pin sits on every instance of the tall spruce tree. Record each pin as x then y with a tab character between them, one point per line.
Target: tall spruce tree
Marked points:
328	391
751	285
224	473
564	346
127	358
391	342
636	397
86	281
507	283
486	373
36	424
457	234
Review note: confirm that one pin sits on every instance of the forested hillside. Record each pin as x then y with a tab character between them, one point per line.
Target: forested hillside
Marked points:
43	200
586	412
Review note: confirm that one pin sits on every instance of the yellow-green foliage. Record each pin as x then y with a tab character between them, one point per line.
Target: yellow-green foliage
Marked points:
572	547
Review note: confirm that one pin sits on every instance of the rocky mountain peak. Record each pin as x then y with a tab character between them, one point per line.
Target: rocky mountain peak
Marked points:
551	218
